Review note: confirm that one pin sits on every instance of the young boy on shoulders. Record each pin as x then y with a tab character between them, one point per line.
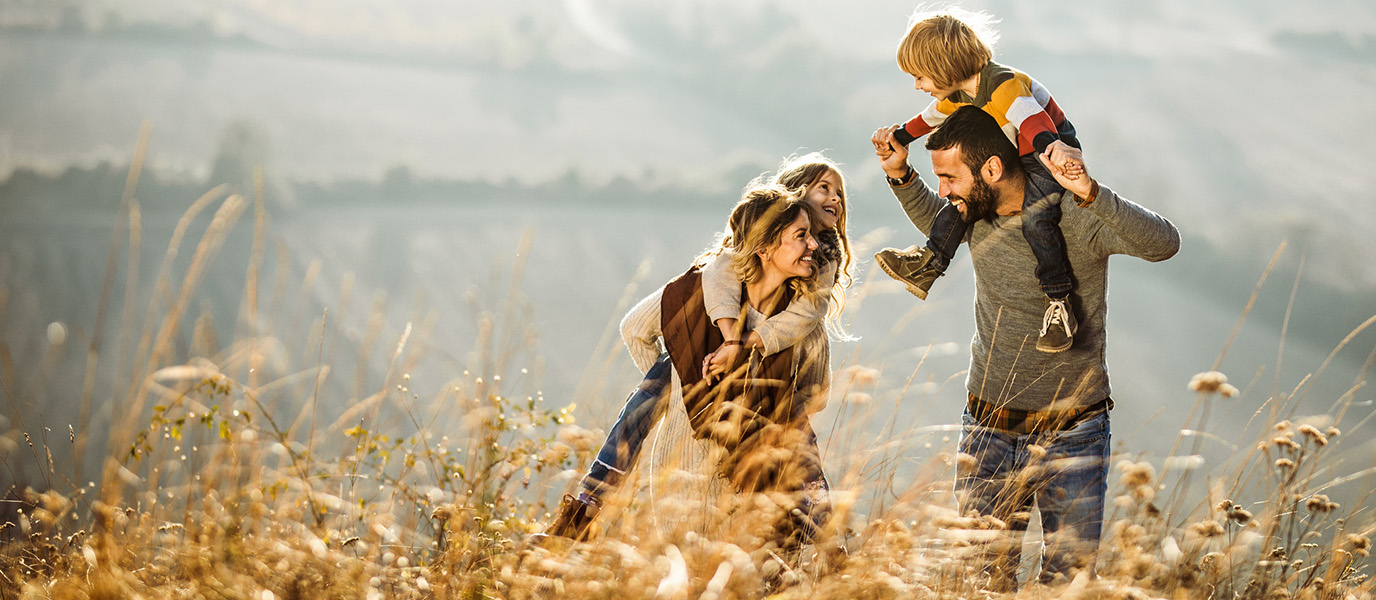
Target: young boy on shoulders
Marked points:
950	56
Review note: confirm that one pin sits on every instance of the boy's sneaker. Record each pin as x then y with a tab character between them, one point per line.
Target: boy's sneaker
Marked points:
1058	326
913	267
574	520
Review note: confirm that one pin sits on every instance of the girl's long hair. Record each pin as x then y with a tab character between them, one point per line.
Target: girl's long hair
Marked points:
800	173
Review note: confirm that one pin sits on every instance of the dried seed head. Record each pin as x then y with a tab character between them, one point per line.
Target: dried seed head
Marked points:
1212	382
1357	544
555	453
1207	529
1313	434
54	502
1212	561
1285	464
1137	474
1281	441
857	398
991	522
442	513
1240	516
578	438
965	462
858	375
1144	493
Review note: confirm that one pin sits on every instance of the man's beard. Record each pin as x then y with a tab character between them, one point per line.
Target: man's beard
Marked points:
979	204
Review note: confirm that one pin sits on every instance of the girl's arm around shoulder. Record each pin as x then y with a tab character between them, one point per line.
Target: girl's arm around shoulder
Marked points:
803	316
721	290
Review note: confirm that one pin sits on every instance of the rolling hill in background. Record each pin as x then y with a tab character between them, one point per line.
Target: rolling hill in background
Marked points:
409	146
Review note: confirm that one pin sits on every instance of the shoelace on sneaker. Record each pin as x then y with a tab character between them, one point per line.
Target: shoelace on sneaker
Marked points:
1056	314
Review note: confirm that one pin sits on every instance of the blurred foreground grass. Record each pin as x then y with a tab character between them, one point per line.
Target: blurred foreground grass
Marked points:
222	477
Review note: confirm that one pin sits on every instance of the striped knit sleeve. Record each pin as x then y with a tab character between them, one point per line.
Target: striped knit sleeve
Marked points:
1024	103
927	120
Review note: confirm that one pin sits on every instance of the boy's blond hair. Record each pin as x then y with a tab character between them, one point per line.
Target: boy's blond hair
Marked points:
947	46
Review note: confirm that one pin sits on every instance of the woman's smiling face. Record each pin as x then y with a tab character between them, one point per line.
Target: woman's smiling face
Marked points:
826	195
792	254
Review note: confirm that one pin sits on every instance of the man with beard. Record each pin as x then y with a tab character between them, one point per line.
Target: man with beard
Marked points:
1036	426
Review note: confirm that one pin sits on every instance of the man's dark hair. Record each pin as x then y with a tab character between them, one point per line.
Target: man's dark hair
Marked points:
978	136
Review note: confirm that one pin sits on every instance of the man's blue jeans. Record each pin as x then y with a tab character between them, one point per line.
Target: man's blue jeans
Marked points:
1067	485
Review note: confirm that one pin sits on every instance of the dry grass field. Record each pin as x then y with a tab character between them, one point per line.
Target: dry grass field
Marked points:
222	477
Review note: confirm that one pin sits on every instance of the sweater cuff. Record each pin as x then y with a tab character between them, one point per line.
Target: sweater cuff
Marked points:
901	134
903	181
1093	195
769	340
721	311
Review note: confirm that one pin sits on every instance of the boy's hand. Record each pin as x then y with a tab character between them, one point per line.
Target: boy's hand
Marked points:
1081	184
1060	160
893	156
882	139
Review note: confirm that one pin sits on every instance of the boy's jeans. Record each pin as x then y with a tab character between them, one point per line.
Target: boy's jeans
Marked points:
1041	226
1068	485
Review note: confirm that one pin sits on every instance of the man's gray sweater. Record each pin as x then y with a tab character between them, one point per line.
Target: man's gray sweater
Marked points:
1006	369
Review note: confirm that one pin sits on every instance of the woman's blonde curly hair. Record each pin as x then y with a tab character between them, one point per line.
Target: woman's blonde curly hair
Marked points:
757	223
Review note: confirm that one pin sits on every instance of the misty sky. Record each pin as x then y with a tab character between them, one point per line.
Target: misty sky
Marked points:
1247	114
1244	121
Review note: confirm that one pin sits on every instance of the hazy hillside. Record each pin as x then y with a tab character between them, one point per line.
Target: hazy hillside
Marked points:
379	125
1247	117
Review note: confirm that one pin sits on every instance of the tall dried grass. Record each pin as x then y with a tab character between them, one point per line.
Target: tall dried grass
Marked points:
223	478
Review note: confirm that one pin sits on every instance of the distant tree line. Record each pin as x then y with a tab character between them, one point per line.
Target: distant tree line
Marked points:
97	189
